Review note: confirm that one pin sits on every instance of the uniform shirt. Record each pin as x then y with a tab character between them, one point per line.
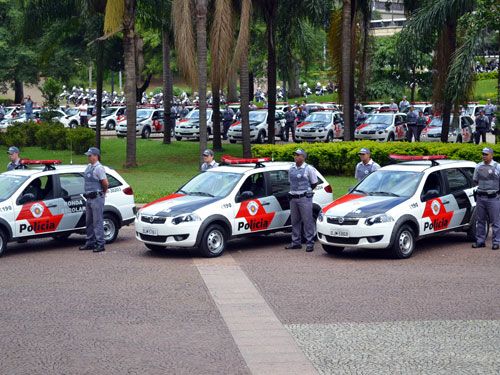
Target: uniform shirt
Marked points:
13	165
228	115
393	107
421	121
289	116
487	176
28	106
93	175
489	109
207	166
306	176
411	118
482	123
363	170
83	109
403	104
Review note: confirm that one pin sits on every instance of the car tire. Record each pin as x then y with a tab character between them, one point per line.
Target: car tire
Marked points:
391	138
213	241
61	237
178	138
459	139
232	141
111	227
404	243
155	248
146	132
120	136
3	242
282	135
73	124
260	138
329	137
110	125
333	250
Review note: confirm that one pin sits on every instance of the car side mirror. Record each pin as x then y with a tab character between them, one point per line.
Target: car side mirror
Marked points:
28	197
244	196
430	194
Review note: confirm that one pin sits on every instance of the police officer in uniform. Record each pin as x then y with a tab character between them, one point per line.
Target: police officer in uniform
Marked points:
411	120
15	160
303	179
366	166
489	110
482	127
290	123
421	124
227	120
96	185
487	176
208	160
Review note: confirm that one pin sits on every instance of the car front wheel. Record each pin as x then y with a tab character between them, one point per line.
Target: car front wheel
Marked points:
213	242
3	242
404	243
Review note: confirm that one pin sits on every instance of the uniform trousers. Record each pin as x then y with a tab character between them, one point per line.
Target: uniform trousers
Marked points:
301	211
94	221
487	207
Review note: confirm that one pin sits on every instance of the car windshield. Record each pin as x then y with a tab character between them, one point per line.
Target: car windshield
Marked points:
72	111
390	183
211	184
379	119
195	114
9	184
438	122
319	117
108	111
257	116
144	113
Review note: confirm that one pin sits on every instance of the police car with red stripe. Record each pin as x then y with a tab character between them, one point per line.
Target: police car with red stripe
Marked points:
242	197
398	204
45	199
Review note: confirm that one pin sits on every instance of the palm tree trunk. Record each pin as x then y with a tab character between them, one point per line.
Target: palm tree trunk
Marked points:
18	91
217	141
167	88
347	89
130	83
201	45
271	10
245	95
364	58
99	82
449	35
232	88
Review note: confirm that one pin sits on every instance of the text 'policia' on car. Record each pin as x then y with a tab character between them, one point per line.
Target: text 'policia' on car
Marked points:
243	197
47	201
401	203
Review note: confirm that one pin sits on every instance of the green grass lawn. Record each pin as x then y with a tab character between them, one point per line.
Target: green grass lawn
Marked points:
162	168
486	89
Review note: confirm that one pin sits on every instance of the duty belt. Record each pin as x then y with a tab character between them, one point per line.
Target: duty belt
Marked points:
93	194
486	194
297	196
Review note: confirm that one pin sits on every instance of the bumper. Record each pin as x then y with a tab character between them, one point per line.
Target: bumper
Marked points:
377	236
167	234
311	136
237	136
187	133
372	137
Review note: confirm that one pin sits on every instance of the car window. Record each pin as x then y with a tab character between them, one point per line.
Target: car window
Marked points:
42	188
256	184
279	182
456	180
9	184
71	184
113	182
434	183
469	173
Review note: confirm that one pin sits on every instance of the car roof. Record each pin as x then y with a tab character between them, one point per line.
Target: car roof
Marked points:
244	168
420	166
59	168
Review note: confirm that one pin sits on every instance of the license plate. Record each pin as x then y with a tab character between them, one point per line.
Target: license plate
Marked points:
340	233
150	231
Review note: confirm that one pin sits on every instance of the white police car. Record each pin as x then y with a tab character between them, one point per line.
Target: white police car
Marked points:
48	201
248	196
385	126
258	127
399	204
322	126
189	126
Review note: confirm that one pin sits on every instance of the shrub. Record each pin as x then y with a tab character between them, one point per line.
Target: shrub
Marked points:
50	92
52	136
15	135
486	75
80	139
340	158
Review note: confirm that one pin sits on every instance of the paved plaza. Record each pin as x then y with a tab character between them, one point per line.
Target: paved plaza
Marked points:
259	309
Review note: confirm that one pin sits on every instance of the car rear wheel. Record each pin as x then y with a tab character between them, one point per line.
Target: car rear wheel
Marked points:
73	124
110	125
146	133
333	250
404	243
111	228
232	141
329	137
391	138
213	242
260	138
61	237
3	242
459	138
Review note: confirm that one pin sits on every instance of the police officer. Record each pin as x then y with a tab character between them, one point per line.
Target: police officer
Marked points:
487	176
208	160
489	110
303	179
366	166
227	120
411	120
15	160
482	127
289	123
403	104
96	185
393	106
183	112
421	124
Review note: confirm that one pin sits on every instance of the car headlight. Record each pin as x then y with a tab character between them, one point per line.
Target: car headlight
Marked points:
185	218
321	129
321	217
138	215
378	219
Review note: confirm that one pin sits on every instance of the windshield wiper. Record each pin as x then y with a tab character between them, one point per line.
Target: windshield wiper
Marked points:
201	193
385	193
361	191
182	191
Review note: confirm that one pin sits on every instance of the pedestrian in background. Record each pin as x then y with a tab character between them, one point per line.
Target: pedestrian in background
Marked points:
303	179
208	160
393	106
421	124
83	108
289	123
403	104
366	166
489	110
227	120
28	108
487	177
95	185
482	127
411	120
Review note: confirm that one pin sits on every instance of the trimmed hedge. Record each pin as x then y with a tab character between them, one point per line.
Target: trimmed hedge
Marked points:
340	158
48	135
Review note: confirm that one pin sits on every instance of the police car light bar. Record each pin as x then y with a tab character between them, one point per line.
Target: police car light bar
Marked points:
431	158
228	159
49	164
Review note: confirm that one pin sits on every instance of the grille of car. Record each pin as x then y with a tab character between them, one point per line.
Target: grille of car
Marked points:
147	237
342	220
343	240
434	135
153	219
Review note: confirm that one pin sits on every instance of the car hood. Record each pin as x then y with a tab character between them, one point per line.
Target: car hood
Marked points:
360	206
314	124
365	127
177	204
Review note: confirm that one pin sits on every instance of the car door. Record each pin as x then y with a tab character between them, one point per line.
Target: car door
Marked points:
338	124
466	128
71	189
255	208
38	210
400	127
460	196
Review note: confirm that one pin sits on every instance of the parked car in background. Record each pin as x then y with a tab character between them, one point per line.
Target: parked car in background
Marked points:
149	120
321	126
458	133
385	127
258	127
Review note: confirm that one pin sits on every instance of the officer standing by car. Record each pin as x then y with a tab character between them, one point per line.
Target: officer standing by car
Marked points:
208	160
15	160
411	120
96	185
403	104
303	179
421	124
289	123
28	108
366	166
482	127
489	110
487	177
227	120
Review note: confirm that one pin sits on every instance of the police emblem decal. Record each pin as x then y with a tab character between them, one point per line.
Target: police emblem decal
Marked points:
37	210
436	207
253	208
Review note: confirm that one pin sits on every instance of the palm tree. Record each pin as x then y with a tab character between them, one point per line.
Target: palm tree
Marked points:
347	75
201	49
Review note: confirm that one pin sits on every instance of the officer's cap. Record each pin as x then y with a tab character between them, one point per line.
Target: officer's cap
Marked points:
12	150
364	150
208	152
93	151
300	151
487	150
